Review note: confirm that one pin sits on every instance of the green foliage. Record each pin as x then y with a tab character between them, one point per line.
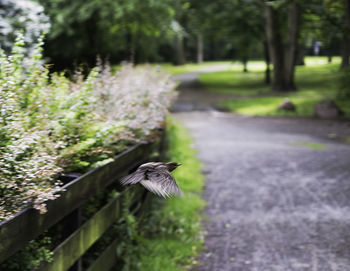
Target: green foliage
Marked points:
344	84
344	104
145	30
31	256
28	157
118	29
50	124
128	233
169	236
173	235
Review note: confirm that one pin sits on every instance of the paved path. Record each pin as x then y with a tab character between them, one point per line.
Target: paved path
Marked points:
273	203
191	91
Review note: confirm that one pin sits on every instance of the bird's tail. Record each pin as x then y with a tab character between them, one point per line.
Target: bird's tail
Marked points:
132	178
162	190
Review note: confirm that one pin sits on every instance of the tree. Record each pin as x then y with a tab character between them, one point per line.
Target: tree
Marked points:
336	15
283	50
316	28
346	36
195	19
188	27
238	24
179	34
247	30
130	30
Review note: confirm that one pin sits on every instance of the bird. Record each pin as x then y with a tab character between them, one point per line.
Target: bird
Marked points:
155	177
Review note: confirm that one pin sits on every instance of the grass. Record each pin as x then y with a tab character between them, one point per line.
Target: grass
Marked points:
310	145
191	67
347	140
316	80
267	106
177	240
234	82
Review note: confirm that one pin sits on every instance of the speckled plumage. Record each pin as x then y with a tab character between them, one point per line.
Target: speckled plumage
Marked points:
155	177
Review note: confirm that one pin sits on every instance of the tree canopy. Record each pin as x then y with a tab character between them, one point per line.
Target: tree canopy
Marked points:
184	30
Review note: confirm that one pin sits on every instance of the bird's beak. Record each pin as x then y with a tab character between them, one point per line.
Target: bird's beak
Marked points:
178	164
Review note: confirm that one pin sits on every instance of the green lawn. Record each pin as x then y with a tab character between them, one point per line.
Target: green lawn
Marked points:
191	67
310	145
175	236
315	81
267	106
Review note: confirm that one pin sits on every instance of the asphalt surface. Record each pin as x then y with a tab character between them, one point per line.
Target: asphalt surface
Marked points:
192	97
274	201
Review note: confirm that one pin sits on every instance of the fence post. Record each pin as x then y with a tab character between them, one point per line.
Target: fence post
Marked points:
72	222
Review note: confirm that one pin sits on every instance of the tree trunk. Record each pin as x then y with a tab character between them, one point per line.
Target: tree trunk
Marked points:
274	41
300	56
245	62
283	56
344	53
267	61
332	44
329	57
345	46
199	48
291	47
130	57
180	57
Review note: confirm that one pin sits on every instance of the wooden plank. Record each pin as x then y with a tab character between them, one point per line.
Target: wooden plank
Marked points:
29	224
70	224
108	257
66	254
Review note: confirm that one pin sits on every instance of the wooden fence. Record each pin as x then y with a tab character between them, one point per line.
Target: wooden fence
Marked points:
29	224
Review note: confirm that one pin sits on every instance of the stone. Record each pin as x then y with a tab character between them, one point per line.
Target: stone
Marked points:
327	109
287	105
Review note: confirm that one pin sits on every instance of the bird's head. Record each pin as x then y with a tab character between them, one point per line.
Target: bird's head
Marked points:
172	165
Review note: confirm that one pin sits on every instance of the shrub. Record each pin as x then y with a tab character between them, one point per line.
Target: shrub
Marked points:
28	157
26	15
50	124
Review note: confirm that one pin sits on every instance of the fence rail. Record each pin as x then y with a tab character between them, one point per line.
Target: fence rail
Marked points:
29	224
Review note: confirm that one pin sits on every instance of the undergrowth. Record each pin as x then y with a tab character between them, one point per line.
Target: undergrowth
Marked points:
171	236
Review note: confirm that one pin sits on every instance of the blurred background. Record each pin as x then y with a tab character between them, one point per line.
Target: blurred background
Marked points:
279	33
83	81
178	31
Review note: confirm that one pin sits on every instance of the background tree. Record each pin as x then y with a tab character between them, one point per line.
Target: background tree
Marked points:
282	31
316	28
196	20
132	30
236	24
338	14
247	30
188	30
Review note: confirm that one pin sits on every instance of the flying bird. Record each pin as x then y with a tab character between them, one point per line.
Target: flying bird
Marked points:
155	177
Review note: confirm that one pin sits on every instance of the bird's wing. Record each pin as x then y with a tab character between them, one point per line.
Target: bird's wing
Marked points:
133	178
161	182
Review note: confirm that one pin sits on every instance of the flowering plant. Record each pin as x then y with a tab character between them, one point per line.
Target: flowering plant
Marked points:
50	124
